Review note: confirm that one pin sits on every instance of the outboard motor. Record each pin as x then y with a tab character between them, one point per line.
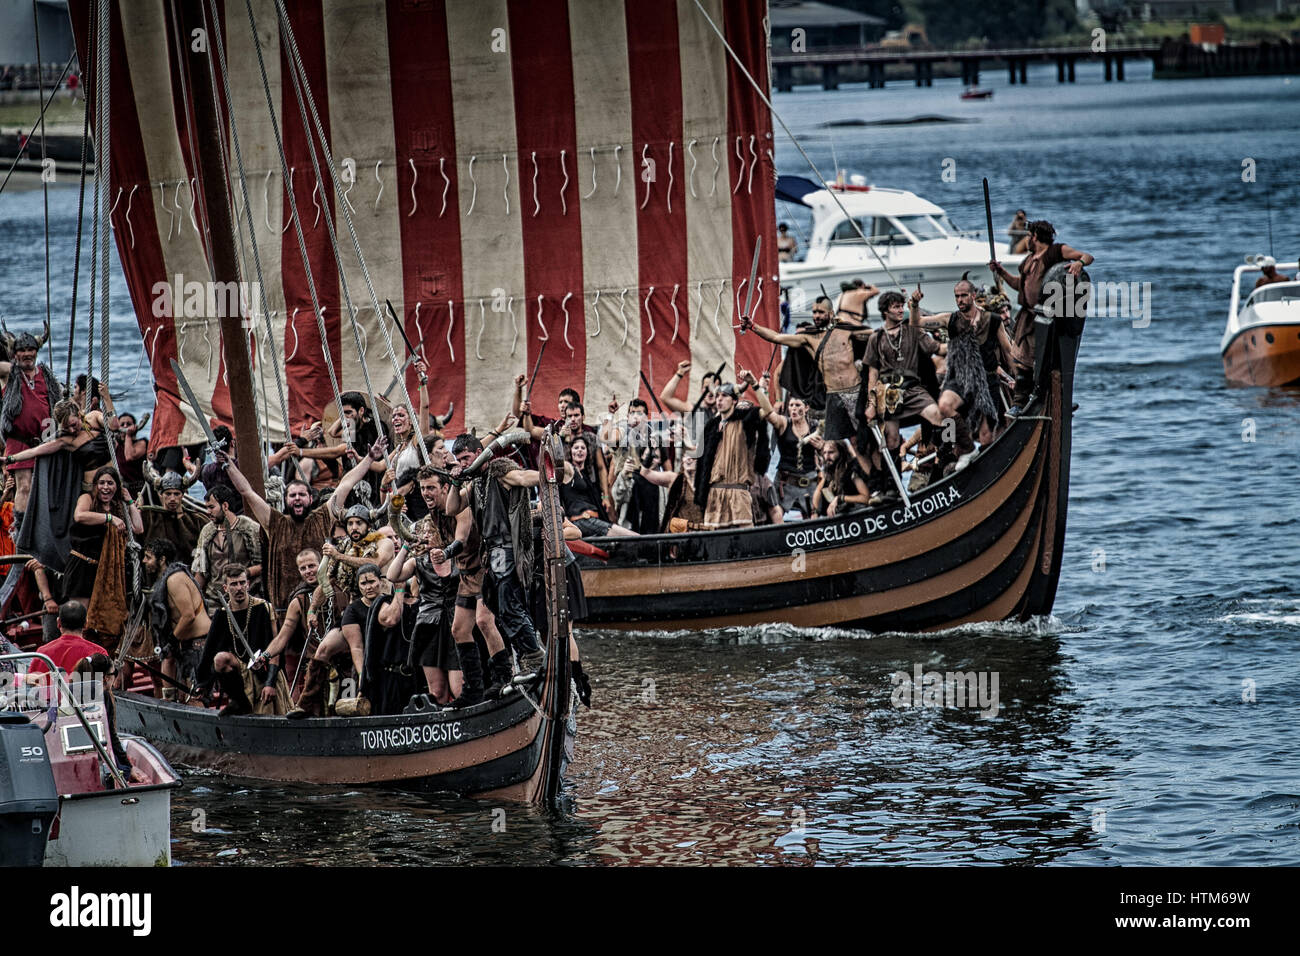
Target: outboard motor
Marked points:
28	798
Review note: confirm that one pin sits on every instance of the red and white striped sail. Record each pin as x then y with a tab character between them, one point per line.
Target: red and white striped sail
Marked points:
592	171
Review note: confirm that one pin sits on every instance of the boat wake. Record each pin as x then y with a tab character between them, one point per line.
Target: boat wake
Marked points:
1284	611
781	633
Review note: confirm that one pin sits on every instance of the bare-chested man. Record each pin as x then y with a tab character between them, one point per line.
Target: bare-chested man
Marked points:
1269	274
831	346
1044	253
854	297
178	619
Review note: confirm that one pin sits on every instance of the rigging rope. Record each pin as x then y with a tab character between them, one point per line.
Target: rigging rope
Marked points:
293	209
299	73
45	185
81	209
103	169
808	159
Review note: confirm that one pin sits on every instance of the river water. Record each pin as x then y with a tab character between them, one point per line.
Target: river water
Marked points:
1151	720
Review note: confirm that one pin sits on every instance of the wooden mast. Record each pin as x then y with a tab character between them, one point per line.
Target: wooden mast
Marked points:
221	242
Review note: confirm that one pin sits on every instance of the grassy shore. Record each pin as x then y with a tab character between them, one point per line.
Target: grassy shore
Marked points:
63	116
1238	29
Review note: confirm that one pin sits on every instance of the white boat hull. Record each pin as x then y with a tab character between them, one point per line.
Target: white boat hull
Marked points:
113	828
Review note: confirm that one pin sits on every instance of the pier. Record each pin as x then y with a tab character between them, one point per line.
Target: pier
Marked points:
1171	59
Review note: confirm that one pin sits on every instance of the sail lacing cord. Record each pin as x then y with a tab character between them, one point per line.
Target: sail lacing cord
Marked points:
808	159
293	216
297	71
248	217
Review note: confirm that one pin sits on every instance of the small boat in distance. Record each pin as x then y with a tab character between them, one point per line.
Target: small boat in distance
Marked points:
1261	344
976	93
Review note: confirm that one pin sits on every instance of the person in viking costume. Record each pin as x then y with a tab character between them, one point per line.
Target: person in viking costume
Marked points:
172	521
229	538
241	628
498	500
365	545
726	467
896	387
178	619
300	525
1044	252
978	347
25	414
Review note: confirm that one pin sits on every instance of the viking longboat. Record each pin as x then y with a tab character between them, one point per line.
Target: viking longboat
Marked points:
513	748
983	544
572	187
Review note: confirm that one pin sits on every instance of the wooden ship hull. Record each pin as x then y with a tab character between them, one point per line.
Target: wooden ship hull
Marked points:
513	748
983	544
505	749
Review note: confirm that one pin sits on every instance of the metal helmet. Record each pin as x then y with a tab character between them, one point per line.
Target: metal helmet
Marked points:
26	343
359	511
171	482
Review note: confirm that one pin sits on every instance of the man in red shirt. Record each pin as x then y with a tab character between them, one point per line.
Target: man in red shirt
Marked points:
71	645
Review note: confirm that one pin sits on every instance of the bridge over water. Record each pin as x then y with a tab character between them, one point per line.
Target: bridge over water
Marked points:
1171	58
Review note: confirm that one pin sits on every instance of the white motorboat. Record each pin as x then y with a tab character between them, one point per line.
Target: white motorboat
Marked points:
63	801
1261	344
908	238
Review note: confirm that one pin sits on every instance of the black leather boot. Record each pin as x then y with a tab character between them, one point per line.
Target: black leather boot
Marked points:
232	685
471	667
311	703
501	673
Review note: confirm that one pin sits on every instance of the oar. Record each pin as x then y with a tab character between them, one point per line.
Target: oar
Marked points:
988	218
536	368
410	349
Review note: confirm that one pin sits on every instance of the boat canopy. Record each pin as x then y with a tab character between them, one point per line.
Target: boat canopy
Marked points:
795	189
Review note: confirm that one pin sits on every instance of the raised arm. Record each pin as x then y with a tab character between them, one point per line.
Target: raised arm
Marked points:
252	500
997	269
764	403
668	398
794	340
358	471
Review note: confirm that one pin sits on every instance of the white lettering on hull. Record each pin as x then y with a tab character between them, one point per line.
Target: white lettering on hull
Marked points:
398	738
870	526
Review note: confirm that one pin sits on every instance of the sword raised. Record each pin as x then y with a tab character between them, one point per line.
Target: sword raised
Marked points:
214	445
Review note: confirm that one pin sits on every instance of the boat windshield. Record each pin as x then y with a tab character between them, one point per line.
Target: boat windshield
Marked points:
926	227
1288	292
879	230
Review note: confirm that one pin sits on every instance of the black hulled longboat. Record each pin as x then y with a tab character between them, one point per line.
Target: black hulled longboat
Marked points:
983	544
512	748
